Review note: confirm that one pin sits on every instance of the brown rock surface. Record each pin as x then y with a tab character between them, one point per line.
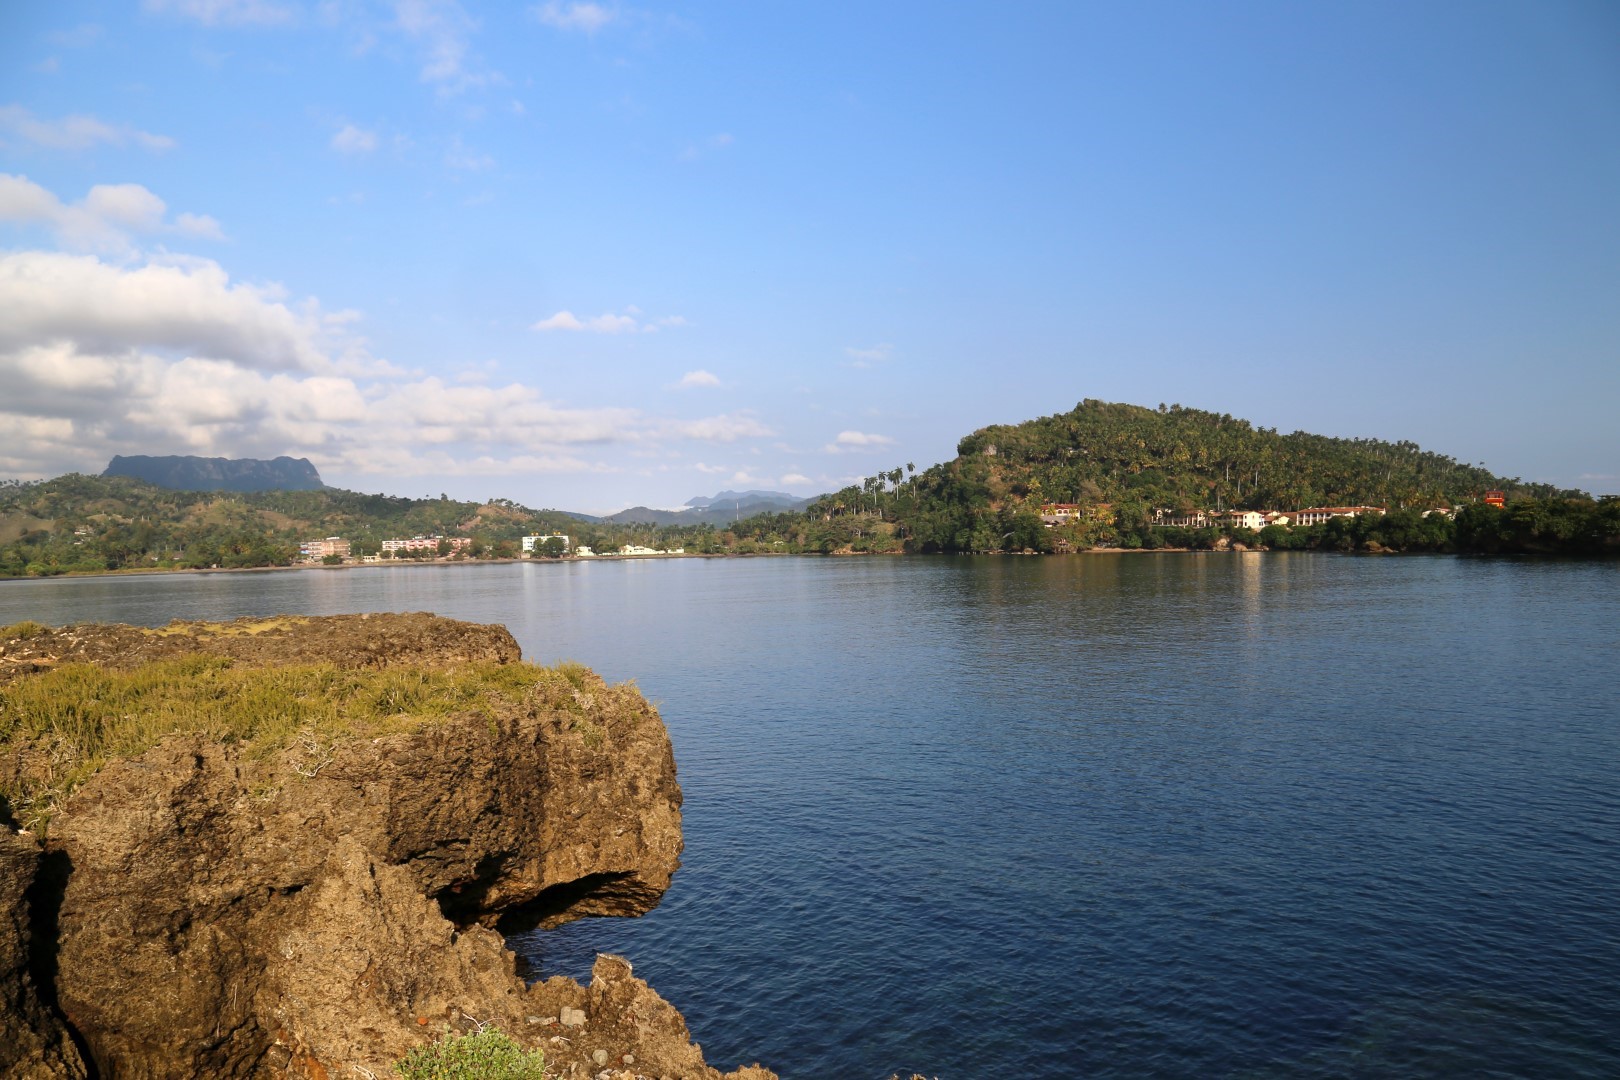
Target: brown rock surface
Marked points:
34	1043
343	640
317	913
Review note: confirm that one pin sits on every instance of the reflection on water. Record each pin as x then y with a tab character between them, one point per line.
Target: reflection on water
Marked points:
1140	815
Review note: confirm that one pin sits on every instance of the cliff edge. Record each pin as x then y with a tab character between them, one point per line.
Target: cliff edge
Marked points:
289	848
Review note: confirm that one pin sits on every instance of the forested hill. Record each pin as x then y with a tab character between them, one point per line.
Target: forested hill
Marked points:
78	522
1179	457
1121	463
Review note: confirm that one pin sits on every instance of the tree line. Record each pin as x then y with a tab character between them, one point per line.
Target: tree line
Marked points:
1117	463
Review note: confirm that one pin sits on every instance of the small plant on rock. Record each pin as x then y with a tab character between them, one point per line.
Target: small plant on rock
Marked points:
484	1054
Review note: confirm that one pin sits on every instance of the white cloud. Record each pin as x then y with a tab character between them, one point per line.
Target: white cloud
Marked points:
699	378
712	470
99	309
563	320
609	323
129	205
199	225
460	157
875	354
172	356
77	132
103	220
443	29
587	18
354	140
794	479
227	12
848	441
724	429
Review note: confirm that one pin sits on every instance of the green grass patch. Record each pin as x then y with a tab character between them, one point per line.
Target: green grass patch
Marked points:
65	724
26	629
485	1054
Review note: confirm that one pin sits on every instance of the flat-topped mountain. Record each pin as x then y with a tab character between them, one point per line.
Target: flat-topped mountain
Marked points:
187	473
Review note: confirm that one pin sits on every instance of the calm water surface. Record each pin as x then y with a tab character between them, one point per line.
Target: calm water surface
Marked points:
1153	815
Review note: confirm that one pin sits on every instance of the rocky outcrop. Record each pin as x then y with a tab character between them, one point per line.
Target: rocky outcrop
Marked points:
345	641
319	910
34	1043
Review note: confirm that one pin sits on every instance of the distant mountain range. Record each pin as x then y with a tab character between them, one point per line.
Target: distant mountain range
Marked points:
776	497
186	473
721	509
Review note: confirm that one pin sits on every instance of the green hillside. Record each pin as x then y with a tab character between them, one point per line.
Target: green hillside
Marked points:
1123	462
1175	456
91	523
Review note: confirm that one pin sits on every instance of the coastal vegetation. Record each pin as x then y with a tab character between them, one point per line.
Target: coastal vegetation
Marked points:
484	1054
1118	465
74	718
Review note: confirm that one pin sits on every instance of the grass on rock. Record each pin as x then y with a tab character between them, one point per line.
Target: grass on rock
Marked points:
58	728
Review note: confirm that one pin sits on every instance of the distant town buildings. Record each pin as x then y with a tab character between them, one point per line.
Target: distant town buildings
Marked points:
530	543
320	549
1056	514
1187	519
425	543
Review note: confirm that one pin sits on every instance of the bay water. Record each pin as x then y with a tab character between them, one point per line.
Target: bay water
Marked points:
1179	815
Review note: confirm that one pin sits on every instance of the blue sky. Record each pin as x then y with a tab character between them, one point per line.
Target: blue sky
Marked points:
588	255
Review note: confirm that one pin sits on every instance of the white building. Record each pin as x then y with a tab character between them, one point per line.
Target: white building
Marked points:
530	543
1315	515
425	543
1246	519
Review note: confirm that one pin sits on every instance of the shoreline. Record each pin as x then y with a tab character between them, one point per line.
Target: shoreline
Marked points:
401	564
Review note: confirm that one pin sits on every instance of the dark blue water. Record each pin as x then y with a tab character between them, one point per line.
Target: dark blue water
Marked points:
1149	815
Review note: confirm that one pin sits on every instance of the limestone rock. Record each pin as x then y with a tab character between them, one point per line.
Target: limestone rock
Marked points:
221	914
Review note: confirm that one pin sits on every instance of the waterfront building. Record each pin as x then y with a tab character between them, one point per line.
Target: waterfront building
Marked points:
315	550
530	543
425	543
1315	515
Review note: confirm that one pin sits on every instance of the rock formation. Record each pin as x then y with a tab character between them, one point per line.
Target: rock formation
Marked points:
316	911
34	1043
189	473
